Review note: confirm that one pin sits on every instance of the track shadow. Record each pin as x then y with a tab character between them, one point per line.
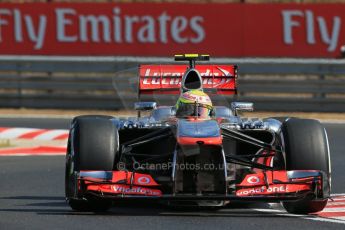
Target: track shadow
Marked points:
166	213
54	205
33	198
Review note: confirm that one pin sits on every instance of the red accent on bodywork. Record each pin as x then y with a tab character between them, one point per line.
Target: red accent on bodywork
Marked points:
255	184
260	178
264	160
124	189
273	189
126	177
166	79
138	179
199	140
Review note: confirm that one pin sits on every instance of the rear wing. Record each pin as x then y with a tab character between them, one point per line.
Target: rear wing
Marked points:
166	79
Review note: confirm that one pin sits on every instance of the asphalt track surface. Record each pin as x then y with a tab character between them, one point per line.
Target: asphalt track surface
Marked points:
32	197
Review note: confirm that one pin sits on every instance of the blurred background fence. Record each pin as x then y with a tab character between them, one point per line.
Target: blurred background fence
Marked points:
110	82
188	1
101	83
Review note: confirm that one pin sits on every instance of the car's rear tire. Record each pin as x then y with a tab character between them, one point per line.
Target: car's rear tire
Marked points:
306	148
92	145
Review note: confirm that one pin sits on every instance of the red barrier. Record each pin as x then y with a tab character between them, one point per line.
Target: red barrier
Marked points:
141	29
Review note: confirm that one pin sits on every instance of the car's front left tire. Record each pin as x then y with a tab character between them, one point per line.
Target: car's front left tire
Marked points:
306	148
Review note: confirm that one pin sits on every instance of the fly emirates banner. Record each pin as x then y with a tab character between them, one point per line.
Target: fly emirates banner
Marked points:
164	29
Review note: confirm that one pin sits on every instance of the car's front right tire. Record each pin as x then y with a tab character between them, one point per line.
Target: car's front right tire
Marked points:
92	145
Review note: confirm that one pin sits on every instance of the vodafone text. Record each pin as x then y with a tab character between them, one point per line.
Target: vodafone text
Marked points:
263	190
135	190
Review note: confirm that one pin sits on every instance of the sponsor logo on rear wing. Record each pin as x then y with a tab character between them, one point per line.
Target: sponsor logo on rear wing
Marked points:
166	79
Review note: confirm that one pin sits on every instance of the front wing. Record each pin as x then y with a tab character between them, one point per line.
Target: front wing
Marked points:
269	186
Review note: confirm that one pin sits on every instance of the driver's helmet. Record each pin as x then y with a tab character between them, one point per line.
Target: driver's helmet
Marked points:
194	103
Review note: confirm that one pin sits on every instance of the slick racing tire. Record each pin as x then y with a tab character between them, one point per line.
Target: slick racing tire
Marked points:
281	119
306	148
92	145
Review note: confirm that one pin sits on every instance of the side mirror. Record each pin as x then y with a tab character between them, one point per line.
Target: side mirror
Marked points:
242	106
145	106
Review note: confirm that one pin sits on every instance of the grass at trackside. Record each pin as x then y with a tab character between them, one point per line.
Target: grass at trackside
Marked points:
5	143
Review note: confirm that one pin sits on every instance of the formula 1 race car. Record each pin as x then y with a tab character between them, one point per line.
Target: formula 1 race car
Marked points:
189	160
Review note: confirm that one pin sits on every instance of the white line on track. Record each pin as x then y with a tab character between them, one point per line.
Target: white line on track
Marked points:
333	210
277	210
324	216
325	220
339	220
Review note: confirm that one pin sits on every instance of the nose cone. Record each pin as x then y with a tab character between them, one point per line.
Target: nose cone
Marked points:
191	133
208	128
191	80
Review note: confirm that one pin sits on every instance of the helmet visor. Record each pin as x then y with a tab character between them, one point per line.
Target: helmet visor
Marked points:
193	109
203	111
